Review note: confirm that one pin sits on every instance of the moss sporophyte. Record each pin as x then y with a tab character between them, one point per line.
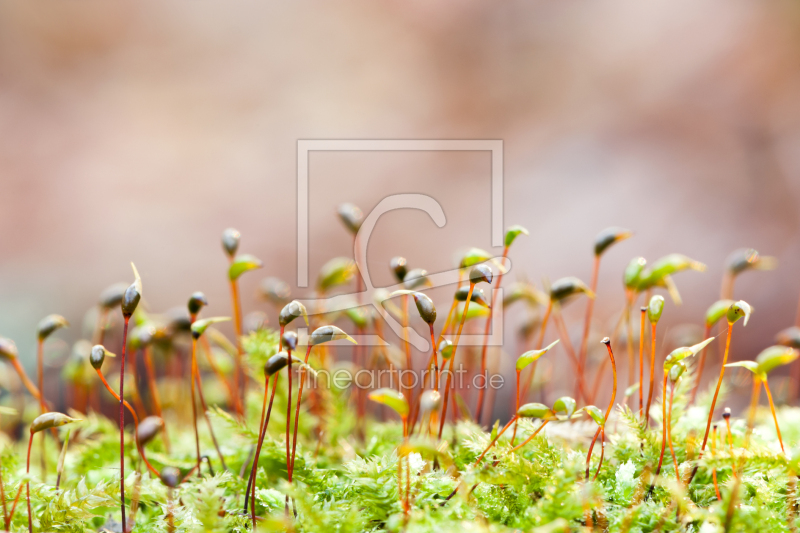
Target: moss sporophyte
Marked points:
286	446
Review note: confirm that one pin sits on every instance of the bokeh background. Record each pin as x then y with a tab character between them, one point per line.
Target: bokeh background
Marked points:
138	131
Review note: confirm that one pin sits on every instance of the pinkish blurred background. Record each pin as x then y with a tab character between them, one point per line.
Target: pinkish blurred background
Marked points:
140	130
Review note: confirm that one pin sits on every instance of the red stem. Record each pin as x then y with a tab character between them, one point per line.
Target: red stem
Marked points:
453	358
28	487
122	423
482	390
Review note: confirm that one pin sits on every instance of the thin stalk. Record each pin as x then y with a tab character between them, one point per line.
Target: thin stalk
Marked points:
719	384
262	434
100	326
669	432
433	362
706	333
239	384
137	398
774	416
42	405
122	422
205	415
580	389
482	390
607	342
28	487
194	404
454	304
297	409
730	443
751	415
13	508
589	454
516	410
602	453
547	313
494	440
641	362
130	409
170	514
3	498
453	358
543	424
629	342
587	321
25	380
663	429
652	373
288	425
154	396
714	470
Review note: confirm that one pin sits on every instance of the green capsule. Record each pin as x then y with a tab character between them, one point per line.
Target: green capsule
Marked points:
677	371
291	311
679	354
336	272
230	241
532	355
716	311
98	355
170	476
633	272
752	366
359	316
351	216
473	256
416	278
275	290
749	259
241	264
473	312
196	302
596	414
148	429
427	311
199	326
666	266
51	323
8	349
565	405
130	300
112	295
141	336
399	267
481	273
328	334
565	287
276	363
775	356
512	233
655	308
789	337
609	236
477	296
51	420
535	410
445	349
392	399
738	310
289	340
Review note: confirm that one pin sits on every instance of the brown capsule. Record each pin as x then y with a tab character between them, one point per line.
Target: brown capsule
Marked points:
130	300
276	363
606	341
112	295
477	296
415	279
351	216
230	241
49	324
50	420
170	476
289	340
327	334
399	267
275	290
565	287
609	236
179	321
727	414
148	429
789	337
749	259
291	311
481	273
98	355
196	302
427	311
8	349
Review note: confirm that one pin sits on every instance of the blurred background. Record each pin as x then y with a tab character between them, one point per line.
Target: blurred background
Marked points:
139	131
